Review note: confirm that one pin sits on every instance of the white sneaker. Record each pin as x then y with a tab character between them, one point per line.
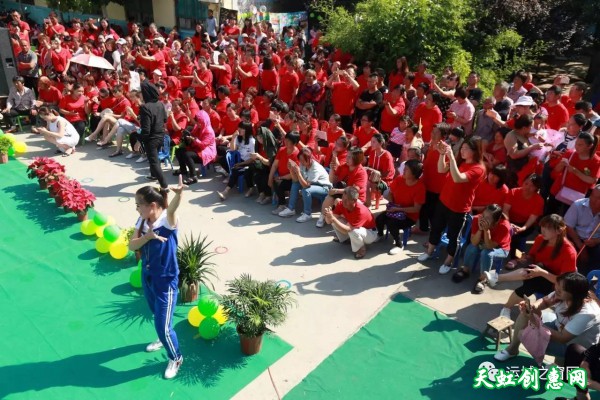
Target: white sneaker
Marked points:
492	278
130	156
503	355
154	346
444	269
173	368
141	159
395	250
304	218
505	312
220	170
424	257
278	210
261	197
321	221
287	213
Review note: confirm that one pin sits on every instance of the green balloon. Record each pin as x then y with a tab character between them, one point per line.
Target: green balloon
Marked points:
11	151
100	219
208	305
209	328
136	279
139	265
112	233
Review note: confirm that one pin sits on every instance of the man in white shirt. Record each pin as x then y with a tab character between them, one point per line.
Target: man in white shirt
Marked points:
582	220
211	26
20	102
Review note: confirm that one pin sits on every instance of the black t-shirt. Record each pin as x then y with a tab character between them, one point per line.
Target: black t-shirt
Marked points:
377	97
502	107
475	94
592	357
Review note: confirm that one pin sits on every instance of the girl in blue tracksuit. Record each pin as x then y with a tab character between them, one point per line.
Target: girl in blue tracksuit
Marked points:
156	238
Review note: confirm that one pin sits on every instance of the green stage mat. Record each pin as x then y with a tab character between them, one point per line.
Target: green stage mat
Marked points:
409	351
73	328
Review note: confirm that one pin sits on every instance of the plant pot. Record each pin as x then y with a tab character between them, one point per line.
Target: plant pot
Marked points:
3	158
43	184
59	201
250	345
189	293
82	216
51	191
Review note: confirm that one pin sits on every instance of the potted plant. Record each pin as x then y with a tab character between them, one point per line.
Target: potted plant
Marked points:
59	186
127	235
5	144
44	168
195	267
78	200
255	306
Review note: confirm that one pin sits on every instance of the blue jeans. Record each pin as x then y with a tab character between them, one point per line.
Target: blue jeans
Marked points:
320	192
485	257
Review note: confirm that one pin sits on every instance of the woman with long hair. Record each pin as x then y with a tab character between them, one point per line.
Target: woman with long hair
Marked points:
244	144
58	131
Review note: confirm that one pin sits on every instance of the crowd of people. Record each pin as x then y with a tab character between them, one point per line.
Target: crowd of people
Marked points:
485	172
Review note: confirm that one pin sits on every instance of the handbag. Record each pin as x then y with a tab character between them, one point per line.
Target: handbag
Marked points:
535	339
399	215
567	195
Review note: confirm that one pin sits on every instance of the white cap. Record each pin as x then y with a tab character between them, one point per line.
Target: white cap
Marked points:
121	41
525	101
157	72
160	39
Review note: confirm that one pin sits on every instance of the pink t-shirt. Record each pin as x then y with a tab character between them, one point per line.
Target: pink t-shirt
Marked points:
465	111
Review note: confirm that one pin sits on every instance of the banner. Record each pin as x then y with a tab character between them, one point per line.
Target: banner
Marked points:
281	20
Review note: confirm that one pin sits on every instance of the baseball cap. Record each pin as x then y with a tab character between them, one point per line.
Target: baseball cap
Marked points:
524	101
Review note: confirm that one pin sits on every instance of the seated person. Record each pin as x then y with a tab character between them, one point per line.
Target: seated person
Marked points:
20	101
575	317
582	219
578	356
412	139
58	131
523	206
492	190
380	168
490	239
413	153
280	178
127	125
350	174
406	196
199	146
259	172
177	121
398	137
311	179
48	95
109	116
365	131
495	151
550	256
357	224
244	143
335	154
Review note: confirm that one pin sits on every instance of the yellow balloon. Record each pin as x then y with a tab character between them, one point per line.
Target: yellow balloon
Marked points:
20	147
88	227
100	231
102	245
220	315
118	250
194	317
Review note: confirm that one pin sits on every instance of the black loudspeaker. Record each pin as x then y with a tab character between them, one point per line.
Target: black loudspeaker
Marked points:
8	64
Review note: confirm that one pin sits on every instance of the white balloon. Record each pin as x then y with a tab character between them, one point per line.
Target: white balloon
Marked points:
263	9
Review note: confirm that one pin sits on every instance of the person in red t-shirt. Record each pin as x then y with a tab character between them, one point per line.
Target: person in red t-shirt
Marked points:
380	168
177	121
363	134
223	101
248	71
357	224
269	77
72	108
551	255
215	118
492	190
456	198
288	82
421	76
393	109
280	179
558	115
202	81
118	107
48	95
427	115
490	241
344	91
60	57
188	104
406	197
222	71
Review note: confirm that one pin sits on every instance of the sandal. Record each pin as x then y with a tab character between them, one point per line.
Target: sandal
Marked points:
460	276
66	154
116	154
360	253
511	265
478	288
190	181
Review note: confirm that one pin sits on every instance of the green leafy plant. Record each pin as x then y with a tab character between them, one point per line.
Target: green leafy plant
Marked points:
256	305
128	233
194	258
5	144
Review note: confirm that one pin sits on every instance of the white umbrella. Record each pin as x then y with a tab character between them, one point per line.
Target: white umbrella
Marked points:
92	61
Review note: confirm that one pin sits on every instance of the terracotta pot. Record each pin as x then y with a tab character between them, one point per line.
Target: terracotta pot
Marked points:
3	158
43	184
250	345
189	293
82	216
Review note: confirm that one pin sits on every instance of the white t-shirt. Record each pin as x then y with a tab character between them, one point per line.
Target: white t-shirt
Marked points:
246	149
585	325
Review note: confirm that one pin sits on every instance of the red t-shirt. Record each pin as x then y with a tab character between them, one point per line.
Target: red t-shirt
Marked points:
215	120
60	59
487	194
499	234
362	83
224	77
222	107
181	119
343	97
383	163
186	69
203	92
252	81
52	95
230	125
427	117
357	178
563	263
289	83
419	78
395	79
364	137
389	121
499	154
557	116
359	217
521	208
263	107
408	196
458	197
284	157
328	153
121	105
269	79
591	167
69	104
334	134
434	181
193	106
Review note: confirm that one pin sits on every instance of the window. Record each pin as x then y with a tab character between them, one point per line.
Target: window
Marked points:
189	13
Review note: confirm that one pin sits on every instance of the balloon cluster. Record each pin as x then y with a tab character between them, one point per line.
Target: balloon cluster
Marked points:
16	147
207	316
110	240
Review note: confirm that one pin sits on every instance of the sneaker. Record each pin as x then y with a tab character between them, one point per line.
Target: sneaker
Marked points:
321	221
395	250
444	269
287	213
492	278
173	368
222	195
503	355
220	170
278	210
266	200
424	257
130	156
226	180
304	218
261	197
154	346
249	192
141	159
505	312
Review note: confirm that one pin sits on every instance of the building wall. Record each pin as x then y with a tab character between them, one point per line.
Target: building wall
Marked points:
116	11
164	13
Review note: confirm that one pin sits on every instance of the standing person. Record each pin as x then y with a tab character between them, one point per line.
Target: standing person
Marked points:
211	26
27	64
157	240
152	121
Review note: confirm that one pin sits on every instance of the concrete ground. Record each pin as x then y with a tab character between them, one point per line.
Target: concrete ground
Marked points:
336	293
